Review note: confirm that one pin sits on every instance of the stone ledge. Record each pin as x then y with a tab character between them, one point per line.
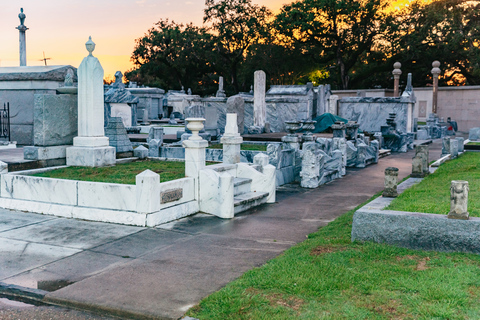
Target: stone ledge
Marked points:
415	230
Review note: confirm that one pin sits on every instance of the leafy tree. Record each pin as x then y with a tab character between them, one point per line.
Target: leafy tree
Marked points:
237	25
444	30
337	34
172	55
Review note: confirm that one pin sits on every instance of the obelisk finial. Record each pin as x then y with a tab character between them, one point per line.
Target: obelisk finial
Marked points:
90	45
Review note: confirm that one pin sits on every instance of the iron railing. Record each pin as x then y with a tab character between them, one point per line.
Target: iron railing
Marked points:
5	122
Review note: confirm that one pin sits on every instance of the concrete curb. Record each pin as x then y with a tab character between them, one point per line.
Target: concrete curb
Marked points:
11	290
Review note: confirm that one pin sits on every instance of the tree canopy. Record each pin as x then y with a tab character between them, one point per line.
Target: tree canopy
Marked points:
346	43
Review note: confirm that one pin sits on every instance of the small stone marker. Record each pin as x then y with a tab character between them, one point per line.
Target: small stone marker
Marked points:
391	181
420	162
140	152
458	200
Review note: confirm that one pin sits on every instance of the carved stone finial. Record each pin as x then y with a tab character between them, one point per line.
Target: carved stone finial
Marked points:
22	17
409	87
90	45
436	68
68	78
396	69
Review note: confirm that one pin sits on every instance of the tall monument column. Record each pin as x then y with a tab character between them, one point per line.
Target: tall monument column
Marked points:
22	41
396	79
435	72
91	147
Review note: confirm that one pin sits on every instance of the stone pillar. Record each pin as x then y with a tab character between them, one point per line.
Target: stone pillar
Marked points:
259	105
458	200
312	165
461	147
396	79
420	162
332	104
453	148
91	147
391	181
321	107
231	140
236	104
147	186
22	38
435	73
194	148
338	129
221	91
445	146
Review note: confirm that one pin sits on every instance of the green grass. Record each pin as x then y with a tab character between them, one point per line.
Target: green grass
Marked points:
421	123
251	147
471	143
329	277
432	195
121	173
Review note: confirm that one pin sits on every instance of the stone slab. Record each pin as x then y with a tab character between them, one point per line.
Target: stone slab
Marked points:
18	256
45	153
90	157
57	191
54	119
107	196
180	284
10	220
70	233
67	270
417	230
141	243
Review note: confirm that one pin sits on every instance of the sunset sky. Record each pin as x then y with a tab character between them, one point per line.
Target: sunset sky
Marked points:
60	28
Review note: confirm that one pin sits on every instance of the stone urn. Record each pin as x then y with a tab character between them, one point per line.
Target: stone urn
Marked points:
292	127
195	125
308	126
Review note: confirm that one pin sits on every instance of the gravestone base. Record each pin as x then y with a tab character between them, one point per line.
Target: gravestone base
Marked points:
44	153
462	216
91	156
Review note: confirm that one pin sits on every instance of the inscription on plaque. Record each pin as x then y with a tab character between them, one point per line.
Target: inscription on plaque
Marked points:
171	195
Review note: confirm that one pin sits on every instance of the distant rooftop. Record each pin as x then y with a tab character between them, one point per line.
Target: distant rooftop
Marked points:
53	73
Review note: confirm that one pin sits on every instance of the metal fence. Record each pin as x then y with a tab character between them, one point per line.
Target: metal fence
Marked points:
5	122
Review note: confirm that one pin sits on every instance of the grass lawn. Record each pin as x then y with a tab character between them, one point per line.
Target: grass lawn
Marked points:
121	173
472	143
432	195
328	277
251	147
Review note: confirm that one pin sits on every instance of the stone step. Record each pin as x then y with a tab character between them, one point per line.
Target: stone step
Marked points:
241	186
248	200
222	167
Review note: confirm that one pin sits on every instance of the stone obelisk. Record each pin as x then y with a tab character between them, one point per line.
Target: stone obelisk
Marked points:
91	147
23	46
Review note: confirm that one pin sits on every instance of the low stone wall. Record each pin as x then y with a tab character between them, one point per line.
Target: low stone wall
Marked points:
210	154
106	202
415	230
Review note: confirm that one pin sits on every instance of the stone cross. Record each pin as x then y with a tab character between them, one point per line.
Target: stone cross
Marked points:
391	181
458	200
22	39
259	105
396	78
435	72
119	80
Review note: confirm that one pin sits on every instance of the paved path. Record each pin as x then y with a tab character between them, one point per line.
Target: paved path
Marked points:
162	272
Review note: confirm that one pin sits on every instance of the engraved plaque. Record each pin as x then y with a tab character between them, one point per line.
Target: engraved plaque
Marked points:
171	195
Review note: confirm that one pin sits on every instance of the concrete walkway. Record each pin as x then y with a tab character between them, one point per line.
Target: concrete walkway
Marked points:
162	272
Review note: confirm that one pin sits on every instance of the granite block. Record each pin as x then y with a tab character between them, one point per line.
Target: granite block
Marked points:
55	119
